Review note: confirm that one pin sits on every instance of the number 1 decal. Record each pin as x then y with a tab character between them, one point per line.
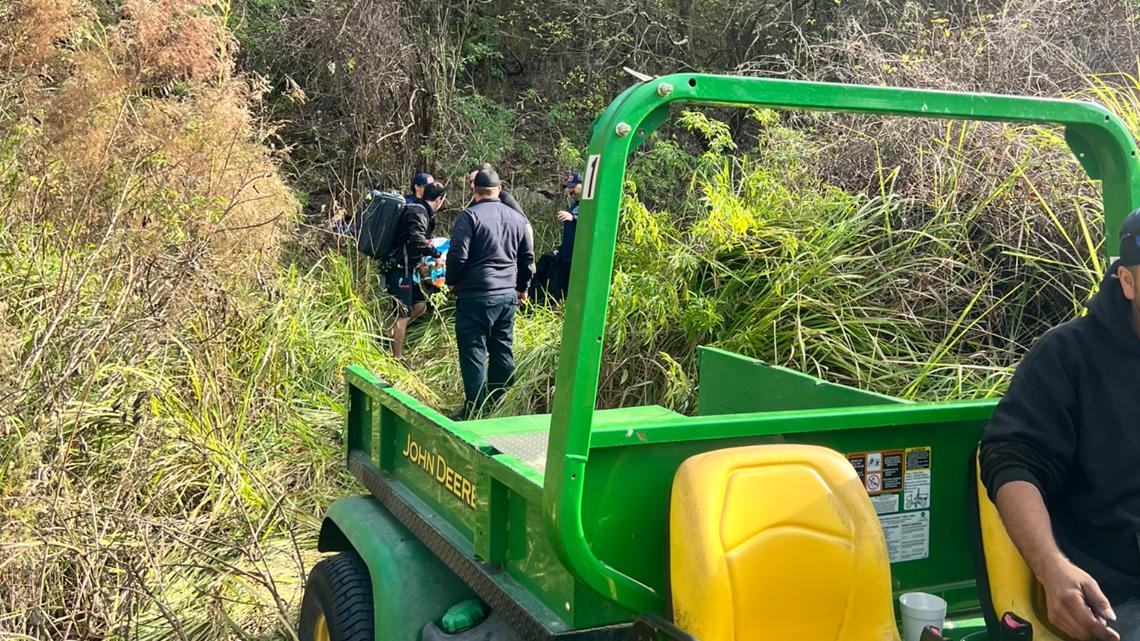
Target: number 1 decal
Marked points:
591	177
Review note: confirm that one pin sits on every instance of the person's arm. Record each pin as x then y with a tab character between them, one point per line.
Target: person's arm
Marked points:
457	251
525	261
1032	435
1076	604
1027	452
567	216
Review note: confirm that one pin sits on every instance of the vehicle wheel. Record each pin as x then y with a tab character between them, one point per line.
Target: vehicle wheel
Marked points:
338	601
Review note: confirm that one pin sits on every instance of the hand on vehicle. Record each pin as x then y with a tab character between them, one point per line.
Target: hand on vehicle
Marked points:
1076	604
522	297
565	216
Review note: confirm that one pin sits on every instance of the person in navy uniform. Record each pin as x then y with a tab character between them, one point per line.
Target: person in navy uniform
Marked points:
419	181
490	264
569	219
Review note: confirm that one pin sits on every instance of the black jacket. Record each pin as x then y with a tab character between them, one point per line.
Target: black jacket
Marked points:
491	252
1070	425
412	239
569	228
507	199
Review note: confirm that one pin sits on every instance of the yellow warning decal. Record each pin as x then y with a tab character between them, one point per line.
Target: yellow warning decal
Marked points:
436	466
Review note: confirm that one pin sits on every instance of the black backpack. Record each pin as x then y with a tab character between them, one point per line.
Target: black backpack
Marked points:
376	228
545	281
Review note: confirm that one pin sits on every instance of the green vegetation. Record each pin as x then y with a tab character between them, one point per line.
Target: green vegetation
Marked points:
173	325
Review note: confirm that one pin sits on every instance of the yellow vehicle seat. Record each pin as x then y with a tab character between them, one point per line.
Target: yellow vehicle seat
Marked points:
1005	582
779	543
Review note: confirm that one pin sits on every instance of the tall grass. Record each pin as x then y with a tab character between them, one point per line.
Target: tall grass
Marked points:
167	420
175	492
927	297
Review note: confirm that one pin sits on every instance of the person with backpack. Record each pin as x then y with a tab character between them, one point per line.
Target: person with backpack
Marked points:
419	181
411	242
489	267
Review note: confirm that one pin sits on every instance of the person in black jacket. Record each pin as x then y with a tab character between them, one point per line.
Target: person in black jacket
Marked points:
569	219
489	267
1059	458
410	244
419	181
504	195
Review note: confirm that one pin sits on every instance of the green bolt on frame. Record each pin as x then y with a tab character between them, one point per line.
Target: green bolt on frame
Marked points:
1099	139
572	535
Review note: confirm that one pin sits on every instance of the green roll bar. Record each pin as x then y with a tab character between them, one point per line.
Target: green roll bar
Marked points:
1099	140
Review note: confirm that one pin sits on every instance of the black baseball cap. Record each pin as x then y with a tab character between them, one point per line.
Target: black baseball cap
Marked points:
575	178
486	178
421	179
1130	240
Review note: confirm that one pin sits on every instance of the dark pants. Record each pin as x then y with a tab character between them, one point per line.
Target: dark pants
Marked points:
545	283
484	330
1127	619
561	280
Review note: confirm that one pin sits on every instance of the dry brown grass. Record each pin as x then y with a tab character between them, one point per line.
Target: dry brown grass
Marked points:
139	212
170	40
33	30
106	149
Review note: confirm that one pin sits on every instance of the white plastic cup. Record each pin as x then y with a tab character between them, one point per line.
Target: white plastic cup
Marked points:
919	610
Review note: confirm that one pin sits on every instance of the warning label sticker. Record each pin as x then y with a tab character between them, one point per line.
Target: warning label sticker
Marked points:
893	471
881	472
917	495
907	534
874	461
898	482
918	458
885	503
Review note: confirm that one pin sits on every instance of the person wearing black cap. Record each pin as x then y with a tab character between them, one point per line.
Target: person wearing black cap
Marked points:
411	242
419	181
489	267
1059	458
569	219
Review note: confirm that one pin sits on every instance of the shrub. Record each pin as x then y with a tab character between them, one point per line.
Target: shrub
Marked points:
141	416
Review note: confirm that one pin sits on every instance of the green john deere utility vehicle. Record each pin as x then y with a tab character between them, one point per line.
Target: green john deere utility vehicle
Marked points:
789	508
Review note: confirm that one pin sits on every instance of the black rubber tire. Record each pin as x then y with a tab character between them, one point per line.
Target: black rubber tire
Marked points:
339	587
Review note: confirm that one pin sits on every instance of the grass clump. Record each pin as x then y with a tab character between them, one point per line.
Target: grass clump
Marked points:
746	244
160	444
